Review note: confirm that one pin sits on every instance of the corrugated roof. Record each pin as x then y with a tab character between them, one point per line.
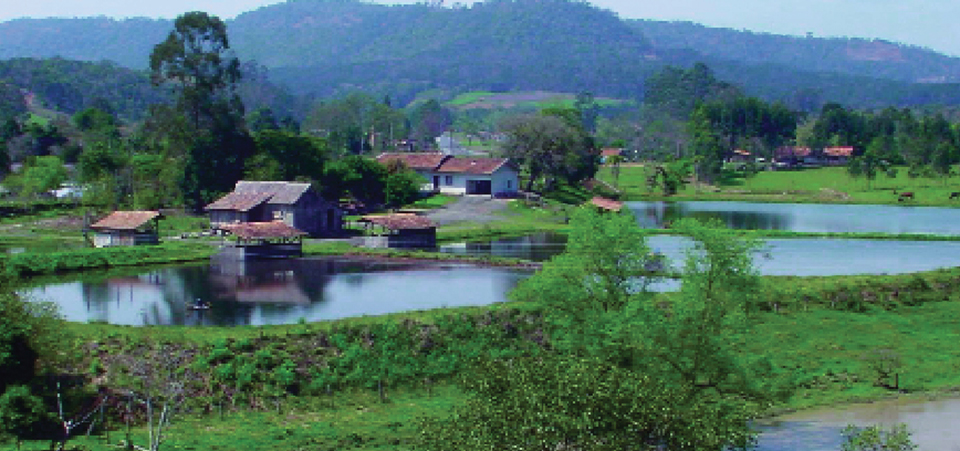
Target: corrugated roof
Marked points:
262	230
247	195
606	204
469	165
401	222
126	220
284	193
239	201
416	161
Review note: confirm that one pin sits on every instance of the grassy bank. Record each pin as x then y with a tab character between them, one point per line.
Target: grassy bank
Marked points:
820	185
824	333
31	264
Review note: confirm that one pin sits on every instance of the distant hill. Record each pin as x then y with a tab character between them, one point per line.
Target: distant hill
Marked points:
327	47
861	57
68	86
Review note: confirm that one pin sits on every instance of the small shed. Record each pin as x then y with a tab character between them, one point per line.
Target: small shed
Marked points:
127	228
605	204
400	231
273	239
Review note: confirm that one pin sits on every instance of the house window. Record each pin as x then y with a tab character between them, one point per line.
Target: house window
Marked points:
448	180
509	184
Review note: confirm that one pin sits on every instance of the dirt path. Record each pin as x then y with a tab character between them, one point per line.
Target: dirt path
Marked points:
480	209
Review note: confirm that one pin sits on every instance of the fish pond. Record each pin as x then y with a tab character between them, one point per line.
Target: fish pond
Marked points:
813	218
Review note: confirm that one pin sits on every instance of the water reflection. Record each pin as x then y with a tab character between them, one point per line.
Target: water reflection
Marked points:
932	424
537	247
278	292
822	218
777	257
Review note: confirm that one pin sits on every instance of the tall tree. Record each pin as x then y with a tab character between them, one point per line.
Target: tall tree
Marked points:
626	369
196	61
550	147
195	58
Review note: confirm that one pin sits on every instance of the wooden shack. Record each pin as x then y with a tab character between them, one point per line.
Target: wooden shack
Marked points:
296	204
273	239
127	228
399	231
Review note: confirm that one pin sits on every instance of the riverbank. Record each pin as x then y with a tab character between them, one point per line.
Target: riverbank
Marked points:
828	185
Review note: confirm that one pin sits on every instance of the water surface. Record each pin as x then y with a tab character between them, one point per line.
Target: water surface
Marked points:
816	218
933	424
278	292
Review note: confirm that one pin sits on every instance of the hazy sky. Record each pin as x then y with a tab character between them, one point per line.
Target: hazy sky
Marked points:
926	23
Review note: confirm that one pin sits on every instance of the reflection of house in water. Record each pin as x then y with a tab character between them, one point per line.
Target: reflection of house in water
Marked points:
255	282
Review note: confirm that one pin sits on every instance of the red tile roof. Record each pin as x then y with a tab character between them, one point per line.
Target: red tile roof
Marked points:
126	220
401	222
845	151
789	151
611	152
416	161
606	204
468	165
262	230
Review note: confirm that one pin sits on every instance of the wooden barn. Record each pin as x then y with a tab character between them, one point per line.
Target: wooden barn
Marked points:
127	228
296	204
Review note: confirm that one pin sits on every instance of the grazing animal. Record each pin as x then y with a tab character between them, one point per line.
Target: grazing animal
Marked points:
955	195
906	195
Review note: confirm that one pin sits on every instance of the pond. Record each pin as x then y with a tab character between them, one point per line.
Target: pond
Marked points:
778	257
932	423
278	292
819	218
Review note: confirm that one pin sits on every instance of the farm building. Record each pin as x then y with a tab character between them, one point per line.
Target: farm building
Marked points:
127	228
296	204
273	239
399	231
460	175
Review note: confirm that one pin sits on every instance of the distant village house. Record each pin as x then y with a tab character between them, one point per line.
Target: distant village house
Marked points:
449	174
127	228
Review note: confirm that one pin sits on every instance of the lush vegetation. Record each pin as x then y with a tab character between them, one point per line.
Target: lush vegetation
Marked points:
821	185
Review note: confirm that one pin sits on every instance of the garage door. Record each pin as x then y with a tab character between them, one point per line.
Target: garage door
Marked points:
479	187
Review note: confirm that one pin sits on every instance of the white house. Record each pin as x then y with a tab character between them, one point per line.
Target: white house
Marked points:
461	175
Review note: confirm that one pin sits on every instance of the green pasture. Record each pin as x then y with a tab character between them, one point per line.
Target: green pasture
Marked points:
826	353
819	185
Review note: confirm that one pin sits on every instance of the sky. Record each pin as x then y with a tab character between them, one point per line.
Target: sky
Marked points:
924	23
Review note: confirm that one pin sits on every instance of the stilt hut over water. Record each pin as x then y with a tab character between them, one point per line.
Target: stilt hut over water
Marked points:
127	228
273	239
400	231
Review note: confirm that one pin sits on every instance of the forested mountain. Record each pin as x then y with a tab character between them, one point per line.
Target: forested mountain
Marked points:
70	86
329	47
125	42
862	57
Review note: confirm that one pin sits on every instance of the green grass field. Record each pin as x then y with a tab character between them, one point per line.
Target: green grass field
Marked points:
825	352
821	185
